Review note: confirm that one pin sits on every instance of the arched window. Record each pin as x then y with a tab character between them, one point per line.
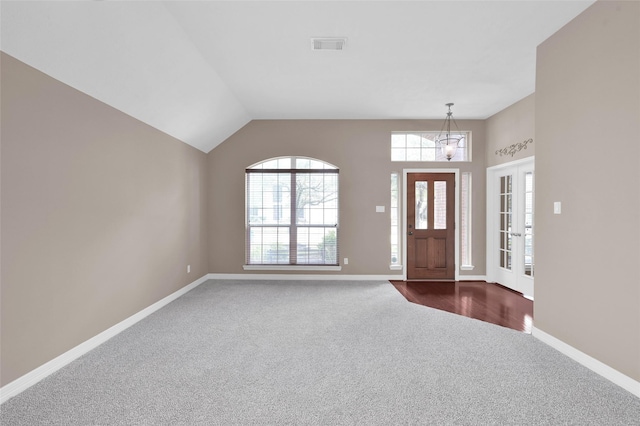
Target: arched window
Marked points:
292	212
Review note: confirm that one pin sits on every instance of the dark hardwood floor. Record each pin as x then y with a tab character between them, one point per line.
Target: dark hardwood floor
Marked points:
474	299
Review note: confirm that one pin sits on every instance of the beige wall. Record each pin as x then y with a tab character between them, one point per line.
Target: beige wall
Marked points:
588	157
361	149
509	129
100	216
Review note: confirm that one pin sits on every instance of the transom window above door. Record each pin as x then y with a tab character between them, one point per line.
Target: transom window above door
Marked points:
423	146
292	212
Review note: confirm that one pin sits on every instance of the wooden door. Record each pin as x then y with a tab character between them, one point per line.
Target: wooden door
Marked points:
430	226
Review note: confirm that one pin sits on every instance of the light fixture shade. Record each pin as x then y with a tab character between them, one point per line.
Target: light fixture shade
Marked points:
449	146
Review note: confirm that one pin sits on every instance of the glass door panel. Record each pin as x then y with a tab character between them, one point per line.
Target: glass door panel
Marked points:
506	219
421	197
528	224
440	205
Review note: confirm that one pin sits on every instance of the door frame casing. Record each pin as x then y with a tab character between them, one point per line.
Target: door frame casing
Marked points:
492	192
456	219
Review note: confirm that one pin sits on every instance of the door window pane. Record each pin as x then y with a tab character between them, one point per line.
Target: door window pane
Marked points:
421	193
528	224
504	251
440	205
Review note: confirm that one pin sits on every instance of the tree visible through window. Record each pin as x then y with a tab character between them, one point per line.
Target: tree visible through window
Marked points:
292	212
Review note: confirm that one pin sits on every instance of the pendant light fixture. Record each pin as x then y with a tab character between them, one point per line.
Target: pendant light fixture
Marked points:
448	141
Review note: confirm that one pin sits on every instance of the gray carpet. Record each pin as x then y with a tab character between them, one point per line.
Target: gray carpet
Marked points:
318	353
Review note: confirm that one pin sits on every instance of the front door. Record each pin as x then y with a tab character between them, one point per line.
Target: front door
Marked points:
430	226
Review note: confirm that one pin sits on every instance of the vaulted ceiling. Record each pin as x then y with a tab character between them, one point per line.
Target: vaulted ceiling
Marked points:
201	70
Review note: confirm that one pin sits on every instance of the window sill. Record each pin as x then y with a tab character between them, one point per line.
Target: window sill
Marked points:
291	268
467	267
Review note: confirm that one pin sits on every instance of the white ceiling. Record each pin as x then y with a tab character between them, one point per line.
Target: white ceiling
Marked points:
201	70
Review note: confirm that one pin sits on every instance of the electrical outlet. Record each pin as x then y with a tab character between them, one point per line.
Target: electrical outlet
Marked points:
188	269
346	261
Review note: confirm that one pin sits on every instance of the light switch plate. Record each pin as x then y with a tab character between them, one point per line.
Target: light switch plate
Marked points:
379	209
557	207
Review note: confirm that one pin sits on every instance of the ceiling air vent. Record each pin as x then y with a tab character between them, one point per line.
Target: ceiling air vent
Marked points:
328	43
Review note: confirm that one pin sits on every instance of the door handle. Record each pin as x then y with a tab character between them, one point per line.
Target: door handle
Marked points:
410	232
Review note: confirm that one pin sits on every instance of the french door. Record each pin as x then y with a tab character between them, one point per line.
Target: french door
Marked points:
511	225
430	226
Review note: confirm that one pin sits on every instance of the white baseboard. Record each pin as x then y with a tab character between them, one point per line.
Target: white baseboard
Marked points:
303	277
323	277
472	278
591	363
22	383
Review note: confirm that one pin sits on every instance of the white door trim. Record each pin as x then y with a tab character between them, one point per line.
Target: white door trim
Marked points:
403	217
